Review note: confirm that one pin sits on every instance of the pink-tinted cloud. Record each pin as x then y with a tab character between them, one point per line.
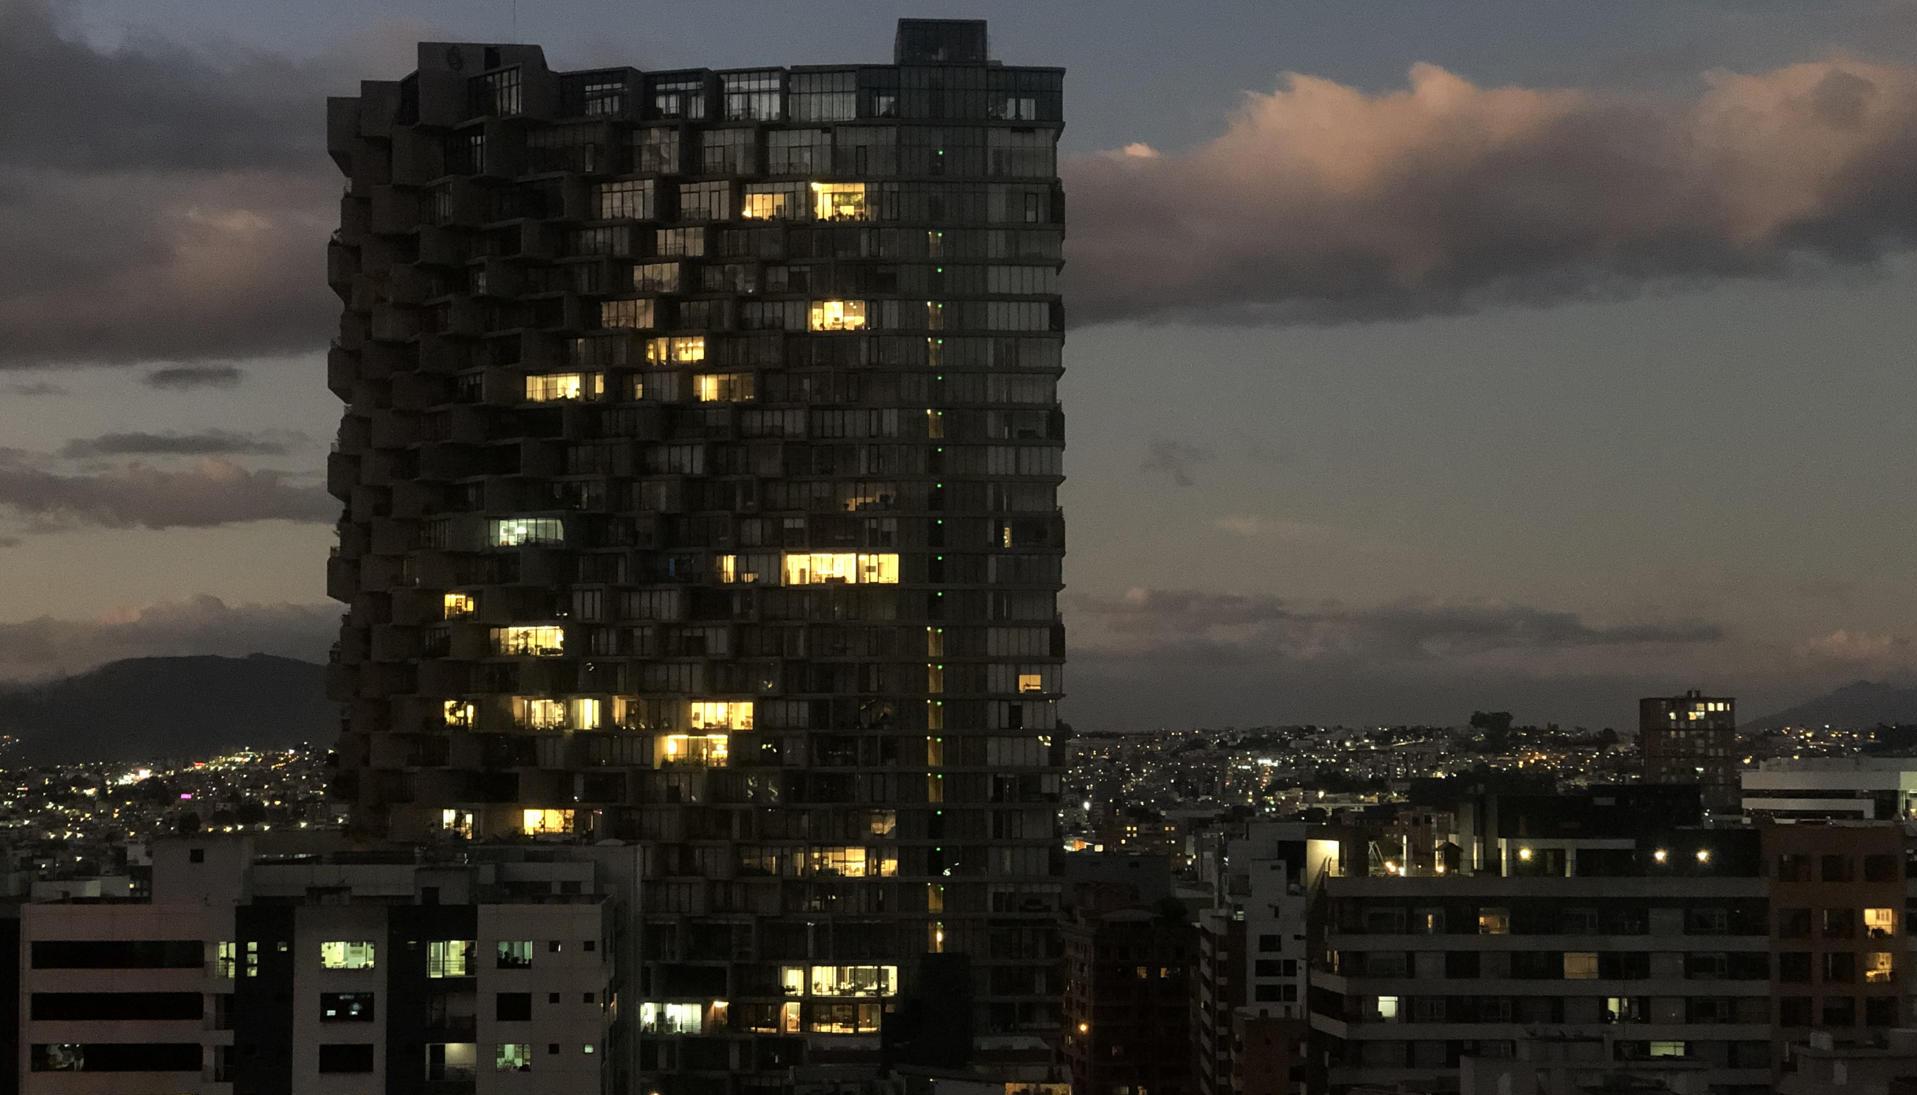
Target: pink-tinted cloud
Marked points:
1324	203
209	492
202	624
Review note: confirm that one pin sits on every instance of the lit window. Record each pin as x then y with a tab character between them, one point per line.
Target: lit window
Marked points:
545	713
708	750
1494	922
684	350
1669	1049
1580	966
346	955
1388	1008
457	822
660	1018
826	567
536	822
1880	968
226	959
722	714
837	315
839	201
515	954
723	387
774	205
792	980
549	387
854	980
542	641
450	958
460	604
513	1057
1030	682
1880	923
459	714
747	569
852	862
517	531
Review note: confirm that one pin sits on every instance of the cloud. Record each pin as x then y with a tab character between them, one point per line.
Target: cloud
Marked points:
1206	625
166	204
31	388
1178	460
1324	203
198	625
206	443
212	491
1863	652
181	378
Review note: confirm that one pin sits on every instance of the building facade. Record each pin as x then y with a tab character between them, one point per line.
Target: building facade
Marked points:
700	462
1692	739
1858	788
326	974
1611	933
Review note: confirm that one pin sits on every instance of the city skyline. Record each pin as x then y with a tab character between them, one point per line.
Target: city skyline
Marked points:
1514	469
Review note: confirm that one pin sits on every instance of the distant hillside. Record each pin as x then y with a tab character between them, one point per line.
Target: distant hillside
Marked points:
143	708
1860	704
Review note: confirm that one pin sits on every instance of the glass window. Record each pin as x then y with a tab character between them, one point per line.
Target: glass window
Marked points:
656	277
515	954
826	567
840	202
700	750
679	97
518	531
837	315
459	604
536	822
752	96
513	1057
1880	923
1880	968
1580	966
1388	1008
705	201
854	980
1494	922
723	387
458	714
554	387
656	149
346	955
450	958
630	199
685	350
721	714
540	641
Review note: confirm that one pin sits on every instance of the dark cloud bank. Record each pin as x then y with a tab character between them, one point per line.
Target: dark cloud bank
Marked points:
210	491
192	192
201	625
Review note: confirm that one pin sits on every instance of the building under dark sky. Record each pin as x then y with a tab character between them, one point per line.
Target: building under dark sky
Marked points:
700	464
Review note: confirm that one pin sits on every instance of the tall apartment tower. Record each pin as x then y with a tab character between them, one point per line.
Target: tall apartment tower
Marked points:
700	464
1691	739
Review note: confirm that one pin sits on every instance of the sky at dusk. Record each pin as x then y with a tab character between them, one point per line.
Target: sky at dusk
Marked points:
1422	358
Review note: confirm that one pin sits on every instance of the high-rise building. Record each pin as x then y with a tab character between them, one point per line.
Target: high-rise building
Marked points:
700	463
1691	739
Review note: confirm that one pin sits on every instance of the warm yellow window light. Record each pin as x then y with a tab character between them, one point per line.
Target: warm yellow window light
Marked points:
459	713
837	315
839	201
460	604
771	206
535	822
825	567
1879	923
1879	968
539	713
710	750
681	350
1031	682
548	387
721	714
854	980
543	641
723	387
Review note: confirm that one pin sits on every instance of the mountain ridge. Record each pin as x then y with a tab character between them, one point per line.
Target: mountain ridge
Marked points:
1859	704
168	707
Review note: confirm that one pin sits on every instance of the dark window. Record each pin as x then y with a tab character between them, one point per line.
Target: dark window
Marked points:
513	1007
112	1006
1840	923
196	855
1793	967
346	1057
346	1007
63	954
1836	868
1880	868
1793	923
1840	967
116	1057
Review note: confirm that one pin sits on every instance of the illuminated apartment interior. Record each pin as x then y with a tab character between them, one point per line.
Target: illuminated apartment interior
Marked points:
699	467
